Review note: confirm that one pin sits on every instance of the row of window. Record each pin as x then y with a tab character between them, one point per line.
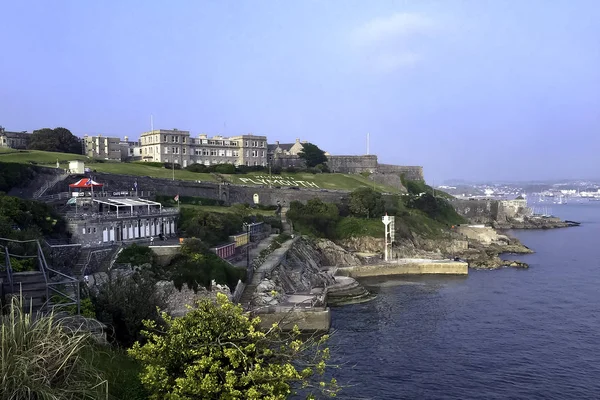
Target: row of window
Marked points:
176	139
204	152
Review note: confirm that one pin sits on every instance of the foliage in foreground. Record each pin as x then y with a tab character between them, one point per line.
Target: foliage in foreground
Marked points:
217	351
124	301
42	358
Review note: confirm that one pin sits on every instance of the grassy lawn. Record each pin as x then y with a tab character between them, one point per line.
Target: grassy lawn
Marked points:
139	169
323	181
225	209
39	157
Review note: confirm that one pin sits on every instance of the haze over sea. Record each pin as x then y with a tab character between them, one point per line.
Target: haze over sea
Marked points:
509	333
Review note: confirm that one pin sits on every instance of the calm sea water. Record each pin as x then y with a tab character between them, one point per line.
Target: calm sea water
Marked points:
503	334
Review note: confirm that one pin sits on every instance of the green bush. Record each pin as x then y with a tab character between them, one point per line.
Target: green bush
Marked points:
42	358
216	351
200	168
124	301
150	164
316	218
15	175
171	165
122	373
225	168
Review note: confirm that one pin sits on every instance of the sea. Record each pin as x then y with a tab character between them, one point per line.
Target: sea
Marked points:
494	334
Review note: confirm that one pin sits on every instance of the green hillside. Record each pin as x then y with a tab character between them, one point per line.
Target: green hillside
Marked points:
300	179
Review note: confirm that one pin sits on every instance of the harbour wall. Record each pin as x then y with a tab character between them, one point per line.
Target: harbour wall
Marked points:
424	267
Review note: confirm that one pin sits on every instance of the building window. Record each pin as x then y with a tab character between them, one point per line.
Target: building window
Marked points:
164	138
222	153
213	152
184	150
247	153
229	153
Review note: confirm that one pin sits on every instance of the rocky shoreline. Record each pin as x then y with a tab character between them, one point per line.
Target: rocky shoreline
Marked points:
536	222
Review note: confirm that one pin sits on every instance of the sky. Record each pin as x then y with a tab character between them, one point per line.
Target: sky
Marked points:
471	89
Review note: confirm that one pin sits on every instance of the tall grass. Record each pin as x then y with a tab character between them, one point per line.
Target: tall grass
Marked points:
42	358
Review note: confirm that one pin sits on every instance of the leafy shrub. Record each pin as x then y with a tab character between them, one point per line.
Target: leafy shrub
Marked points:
316	218
200	168
197	266
125	300
15	175
224	168
41	358
171	166
150	163
218	351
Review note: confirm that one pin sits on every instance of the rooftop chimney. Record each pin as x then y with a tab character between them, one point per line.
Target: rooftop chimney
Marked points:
126	138
277	143
297	140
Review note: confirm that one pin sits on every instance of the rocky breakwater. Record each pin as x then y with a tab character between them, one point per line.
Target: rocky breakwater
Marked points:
481	247
534	222
485	247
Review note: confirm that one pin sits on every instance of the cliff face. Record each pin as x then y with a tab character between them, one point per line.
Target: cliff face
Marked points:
300	271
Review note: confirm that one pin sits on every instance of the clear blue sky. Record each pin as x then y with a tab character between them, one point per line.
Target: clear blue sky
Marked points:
474	89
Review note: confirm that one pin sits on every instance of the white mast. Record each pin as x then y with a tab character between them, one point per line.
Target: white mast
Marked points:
151	122
368	143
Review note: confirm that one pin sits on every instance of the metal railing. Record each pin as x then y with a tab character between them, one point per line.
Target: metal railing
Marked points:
63	280
9	271
38	193
80	216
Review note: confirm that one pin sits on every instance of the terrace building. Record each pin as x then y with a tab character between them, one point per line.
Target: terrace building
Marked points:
97	218
285	154
175	146
103	147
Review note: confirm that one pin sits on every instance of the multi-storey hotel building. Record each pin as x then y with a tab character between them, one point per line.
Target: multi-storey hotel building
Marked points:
175	146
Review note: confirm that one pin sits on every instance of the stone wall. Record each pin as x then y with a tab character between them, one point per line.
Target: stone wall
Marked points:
477	211
352	164
287	160
414	173
230	194
487	211
509	209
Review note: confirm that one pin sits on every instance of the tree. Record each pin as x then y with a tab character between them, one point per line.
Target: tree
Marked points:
58	140
312	155
197	266
216	351
315	218
366	202
124	301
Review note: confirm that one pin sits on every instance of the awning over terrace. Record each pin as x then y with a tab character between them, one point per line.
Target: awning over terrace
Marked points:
130	203
85	183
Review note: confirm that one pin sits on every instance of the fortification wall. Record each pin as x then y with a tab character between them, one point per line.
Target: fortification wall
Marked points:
478	211
352	164
414	173
285	161
508	209
230	194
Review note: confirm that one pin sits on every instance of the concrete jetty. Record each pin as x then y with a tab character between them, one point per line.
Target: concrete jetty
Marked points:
406	266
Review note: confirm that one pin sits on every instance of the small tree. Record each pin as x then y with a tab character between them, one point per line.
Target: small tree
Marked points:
366	202
58	139
312	155
218	352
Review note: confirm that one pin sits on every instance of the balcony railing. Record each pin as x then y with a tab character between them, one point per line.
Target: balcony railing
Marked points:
96	216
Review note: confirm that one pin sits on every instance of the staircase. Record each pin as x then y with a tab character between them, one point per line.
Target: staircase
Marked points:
287	226
37	288
44	188
82	261
32	286
246	298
